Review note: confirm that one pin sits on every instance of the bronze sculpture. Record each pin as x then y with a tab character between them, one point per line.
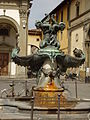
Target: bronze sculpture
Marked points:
49	62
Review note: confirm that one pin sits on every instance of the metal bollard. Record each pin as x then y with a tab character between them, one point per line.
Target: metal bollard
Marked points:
12	89
32	106
76	88
58	107
26	94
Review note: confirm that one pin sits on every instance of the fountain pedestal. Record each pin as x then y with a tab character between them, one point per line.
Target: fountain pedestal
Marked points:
48	73
47	97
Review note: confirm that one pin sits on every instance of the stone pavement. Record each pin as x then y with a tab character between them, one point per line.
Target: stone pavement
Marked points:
14	116
82	89
14	110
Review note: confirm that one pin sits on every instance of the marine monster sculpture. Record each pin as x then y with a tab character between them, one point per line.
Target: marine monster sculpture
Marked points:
49	62
50	32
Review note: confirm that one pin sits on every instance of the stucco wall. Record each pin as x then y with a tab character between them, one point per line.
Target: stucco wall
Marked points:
64	39
77	39
32	40
11	13
83	7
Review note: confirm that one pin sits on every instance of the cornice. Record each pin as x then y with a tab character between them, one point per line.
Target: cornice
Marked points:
34	32
80	15
17	5
9	7
79	24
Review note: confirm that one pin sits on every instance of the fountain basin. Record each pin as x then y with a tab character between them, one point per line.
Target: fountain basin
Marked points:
48	97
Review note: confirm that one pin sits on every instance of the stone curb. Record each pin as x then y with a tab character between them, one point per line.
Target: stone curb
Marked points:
10	116
28	108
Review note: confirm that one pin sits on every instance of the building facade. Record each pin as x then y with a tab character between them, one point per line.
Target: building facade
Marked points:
34	39
13	32
79	30
61	13
76	15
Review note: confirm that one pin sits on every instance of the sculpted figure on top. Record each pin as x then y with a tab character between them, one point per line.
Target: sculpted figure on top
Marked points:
50	32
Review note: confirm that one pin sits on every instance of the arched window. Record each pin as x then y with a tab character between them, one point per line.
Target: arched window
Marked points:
34	49
4	32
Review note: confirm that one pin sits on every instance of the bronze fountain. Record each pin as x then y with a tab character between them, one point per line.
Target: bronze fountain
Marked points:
49	63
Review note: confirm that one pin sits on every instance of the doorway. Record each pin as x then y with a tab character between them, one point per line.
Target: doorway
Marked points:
4	60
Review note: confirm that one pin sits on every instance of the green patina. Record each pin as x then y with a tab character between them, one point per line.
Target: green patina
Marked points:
49	49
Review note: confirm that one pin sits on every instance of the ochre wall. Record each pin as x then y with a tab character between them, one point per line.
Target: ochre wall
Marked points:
64	39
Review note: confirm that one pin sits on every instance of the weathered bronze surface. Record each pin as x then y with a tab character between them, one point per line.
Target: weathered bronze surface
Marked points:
49	51
49	62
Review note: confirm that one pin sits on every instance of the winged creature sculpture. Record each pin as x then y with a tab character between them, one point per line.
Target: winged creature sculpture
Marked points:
36	61
49	61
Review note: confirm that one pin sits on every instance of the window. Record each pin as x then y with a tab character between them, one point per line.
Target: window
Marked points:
77	11
77	8
34	49
57	16
37	39
4	32
89	33
61	15
87	46
68	13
